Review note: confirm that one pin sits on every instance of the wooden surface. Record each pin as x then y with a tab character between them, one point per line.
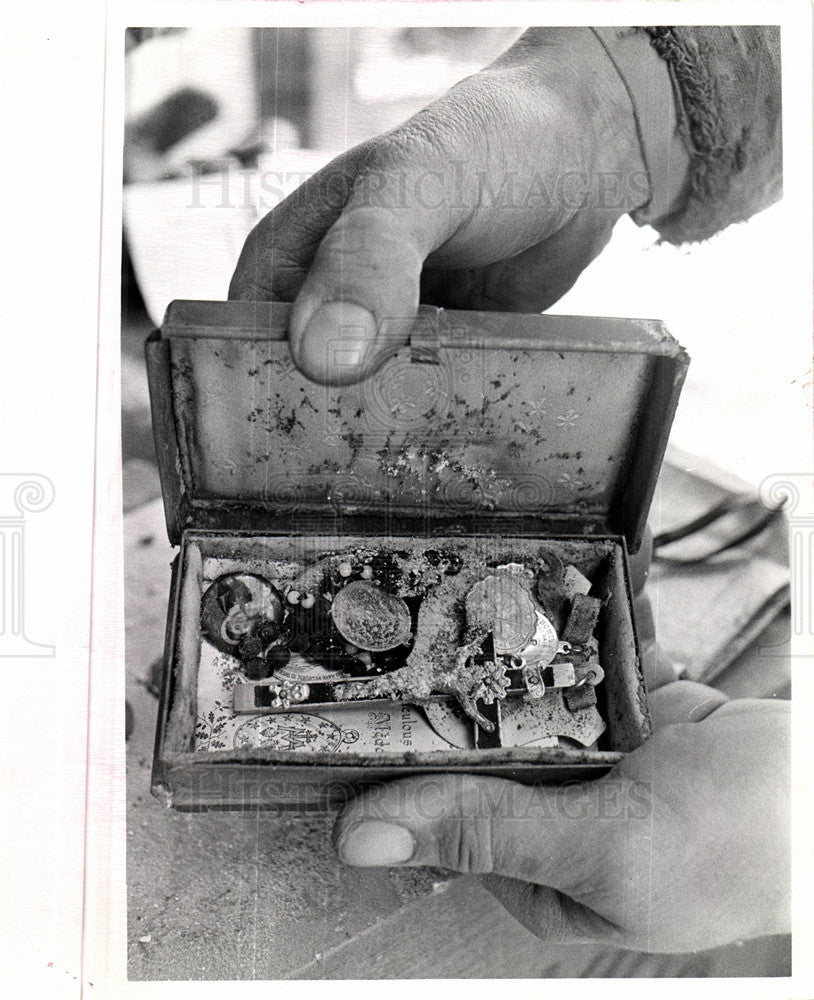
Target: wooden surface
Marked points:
462	932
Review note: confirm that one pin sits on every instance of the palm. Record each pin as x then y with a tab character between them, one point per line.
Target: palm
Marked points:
688	852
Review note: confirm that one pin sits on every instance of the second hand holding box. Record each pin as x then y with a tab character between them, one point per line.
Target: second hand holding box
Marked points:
426	571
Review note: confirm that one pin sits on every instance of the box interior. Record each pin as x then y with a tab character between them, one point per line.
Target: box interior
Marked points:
204	554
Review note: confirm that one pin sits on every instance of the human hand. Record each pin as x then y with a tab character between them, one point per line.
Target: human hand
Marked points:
494	197
683	846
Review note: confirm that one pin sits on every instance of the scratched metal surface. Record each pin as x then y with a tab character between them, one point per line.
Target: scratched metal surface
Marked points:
520	430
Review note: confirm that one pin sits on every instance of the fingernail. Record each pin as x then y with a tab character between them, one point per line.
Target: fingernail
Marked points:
335	342
376	843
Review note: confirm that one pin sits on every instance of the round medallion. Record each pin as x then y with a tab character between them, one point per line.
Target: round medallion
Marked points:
240	611
543	645
370	618
504	606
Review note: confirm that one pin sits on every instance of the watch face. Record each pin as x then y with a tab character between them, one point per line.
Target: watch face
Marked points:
370	618
543	645
292	731
239	611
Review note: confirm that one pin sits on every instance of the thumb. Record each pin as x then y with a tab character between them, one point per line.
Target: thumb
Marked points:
683	701
414	189
359	301
557	837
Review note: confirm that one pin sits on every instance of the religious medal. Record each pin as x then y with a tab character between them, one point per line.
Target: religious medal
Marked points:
371	619
543	645
241	614
508	609
338	636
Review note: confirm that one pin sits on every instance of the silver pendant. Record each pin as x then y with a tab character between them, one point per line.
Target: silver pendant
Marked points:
543	645
503	606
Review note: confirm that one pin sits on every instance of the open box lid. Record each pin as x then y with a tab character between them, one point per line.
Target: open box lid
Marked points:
484	419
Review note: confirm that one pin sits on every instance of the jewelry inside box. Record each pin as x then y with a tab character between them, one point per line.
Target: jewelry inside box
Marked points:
478	651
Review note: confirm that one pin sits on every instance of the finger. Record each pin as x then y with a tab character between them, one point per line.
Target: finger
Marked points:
434	174
683	701
550	914
347	247
658	670
766	707
359	300
419	191
529	281
560	837
279	250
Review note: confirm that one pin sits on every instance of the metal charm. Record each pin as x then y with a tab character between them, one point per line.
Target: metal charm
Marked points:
343	632
506	608
276	695
368	617
543	645
241	614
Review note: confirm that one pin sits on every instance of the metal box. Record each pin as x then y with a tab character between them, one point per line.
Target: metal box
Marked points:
487	430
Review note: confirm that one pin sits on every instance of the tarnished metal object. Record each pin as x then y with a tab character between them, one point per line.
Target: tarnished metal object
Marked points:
582	619
511	648
241	614
502	605
370	618
279	695
543	645
495	684
548	717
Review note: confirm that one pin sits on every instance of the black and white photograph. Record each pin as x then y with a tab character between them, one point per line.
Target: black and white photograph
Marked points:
449	568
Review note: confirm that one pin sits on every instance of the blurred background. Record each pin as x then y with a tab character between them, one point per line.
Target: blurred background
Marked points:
200	94
222	123
219	125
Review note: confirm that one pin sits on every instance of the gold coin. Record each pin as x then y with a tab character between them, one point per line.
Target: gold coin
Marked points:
370	618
